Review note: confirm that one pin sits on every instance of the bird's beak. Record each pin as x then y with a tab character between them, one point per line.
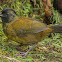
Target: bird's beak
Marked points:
1	14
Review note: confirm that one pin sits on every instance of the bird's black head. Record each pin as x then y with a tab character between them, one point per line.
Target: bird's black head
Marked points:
7	15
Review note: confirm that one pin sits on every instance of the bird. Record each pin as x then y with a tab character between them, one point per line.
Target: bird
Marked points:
24	30
57	4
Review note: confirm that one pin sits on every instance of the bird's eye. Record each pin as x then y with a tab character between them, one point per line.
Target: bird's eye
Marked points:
7	13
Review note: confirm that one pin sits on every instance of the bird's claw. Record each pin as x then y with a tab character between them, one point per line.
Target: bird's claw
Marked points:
23	54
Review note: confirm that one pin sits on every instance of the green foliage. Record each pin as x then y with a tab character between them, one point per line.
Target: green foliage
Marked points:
22	8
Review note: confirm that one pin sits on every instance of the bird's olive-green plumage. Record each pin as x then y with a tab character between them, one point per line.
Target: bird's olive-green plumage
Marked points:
24	30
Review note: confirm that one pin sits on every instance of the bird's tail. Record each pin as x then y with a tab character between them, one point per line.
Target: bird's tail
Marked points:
56	29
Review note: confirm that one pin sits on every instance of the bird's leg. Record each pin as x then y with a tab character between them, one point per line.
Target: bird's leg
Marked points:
29	50
26	53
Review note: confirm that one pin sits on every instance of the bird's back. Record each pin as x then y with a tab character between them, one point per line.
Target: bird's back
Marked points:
26	30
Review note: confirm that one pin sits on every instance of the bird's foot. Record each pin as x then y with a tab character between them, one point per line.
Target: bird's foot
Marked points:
26	53
23	54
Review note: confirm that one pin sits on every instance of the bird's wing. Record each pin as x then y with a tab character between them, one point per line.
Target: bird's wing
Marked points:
28	25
